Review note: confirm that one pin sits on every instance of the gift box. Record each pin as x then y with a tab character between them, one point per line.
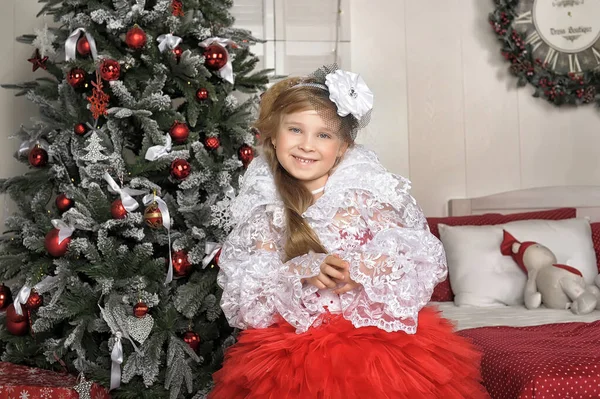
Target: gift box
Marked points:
22	382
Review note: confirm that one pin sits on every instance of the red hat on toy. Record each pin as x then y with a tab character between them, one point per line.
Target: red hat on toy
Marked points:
508	248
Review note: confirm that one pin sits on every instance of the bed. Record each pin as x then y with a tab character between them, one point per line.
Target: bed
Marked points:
542	353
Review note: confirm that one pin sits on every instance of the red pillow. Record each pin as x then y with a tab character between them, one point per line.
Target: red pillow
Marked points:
596	241
443	291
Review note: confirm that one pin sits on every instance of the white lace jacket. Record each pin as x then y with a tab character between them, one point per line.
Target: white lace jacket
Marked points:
365	215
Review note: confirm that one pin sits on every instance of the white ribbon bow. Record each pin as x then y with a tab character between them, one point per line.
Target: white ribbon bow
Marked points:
158	151
71	44
166	221
117	359
25	291
168	42
64	230
227	71
129	203
210	249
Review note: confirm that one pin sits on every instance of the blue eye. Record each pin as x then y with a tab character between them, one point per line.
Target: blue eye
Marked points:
295	130
324	136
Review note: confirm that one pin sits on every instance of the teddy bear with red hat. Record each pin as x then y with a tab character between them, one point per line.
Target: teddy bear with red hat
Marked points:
556	286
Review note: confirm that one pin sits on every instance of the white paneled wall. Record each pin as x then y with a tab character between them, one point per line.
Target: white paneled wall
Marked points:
17	18
300	34
467	130
448	115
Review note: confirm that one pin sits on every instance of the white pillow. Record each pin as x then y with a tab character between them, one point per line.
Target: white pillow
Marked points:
481	276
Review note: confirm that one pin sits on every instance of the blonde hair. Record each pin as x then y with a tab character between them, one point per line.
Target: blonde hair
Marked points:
282	99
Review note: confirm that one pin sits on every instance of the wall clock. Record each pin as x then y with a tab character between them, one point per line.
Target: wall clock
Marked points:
552	44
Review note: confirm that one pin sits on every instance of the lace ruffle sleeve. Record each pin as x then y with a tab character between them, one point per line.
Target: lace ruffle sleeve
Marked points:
398	268
257	285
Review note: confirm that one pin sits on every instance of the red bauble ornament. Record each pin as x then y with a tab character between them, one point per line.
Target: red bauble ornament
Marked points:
180	169
110	70
246	154
153	216
181	264
192	339
76	77
140	310
34	301
178	51
212	143
52	245
38	157
136	38
5	297
202	94
215	57
83	46
117	210
16	324
179	132
80	129
63	203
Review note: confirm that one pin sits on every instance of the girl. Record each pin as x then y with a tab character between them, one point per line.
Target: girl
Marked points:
331	262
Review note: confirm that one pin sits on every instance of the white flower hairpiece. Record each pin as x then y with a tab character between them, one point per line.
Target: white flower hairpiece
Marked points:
350	93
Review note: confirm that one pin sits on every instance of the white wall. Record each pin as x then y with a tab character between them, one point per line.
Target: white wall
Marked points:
17	18
448	114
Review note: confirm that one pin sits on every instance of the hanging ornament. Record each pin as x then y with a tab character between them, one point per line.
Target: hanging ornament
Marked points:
63	203
80	129
83	387
140	309
5	297
34	301
192	339
181	264
16	324
140	328
178	51
77	44
136	38
150	199
246	154
179	132
76	77
83	47
180	169
153	216
117	210
57	240
177	7
202	94
38	157
99	99
110	70
38	61
216	57
212	143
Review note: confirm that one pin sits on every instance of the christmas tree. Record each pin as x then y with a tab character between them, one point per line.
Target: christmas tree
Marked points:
112	255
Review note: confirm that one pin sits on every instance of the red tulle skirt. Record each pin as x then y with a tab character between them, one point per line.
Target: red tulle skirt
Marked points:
339	361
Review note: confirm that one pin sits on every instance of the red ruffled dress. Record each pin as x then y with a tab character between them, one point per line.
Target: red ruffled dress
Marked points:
377	341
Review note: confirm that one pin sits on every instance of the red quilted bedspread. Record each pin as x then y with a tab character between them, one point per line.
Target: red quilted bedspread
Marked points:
549	361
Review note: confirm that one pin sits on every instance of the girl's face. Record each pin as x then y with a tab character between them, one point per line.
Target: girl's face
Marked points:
307	148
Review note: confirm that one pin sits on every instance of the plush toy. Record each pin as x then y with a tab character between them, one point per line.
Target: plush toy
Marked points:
556	286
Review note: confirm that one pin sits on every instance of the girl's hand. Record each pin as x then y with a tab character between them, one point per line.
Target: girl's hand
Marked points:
332	268
349	286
